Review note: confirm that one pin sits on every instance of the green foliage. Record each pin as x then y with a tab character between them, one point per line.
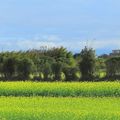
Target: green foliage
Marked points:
25	67
52	64
87	64
100	69
71	74
48	63
57	70
9	67
113	67
47	71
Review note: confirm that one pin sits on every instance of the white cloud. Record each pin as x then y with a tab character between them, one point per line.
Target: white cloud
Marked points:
75	44
29	44
103	44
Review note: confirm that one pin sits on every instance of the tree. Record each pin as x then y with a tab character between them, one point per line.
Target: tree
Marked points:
1	65
87	63
57	70
113	67
47	71
71	73
9	67
100	70
25	68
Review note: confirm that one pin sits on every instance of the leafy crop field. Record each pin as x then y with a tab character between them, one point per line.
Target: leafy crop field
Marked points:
59	89
48	108
59	101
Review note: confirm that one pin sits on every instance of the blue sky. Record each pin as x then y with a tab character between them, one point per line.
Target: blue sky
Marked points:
26	24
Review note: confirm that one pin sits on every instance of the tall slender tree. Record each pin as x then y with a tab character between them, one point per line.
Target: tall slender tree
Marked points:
87	63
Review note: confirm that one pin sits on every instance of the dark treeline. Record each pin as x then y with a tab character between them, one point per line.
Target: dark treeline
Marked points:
57	64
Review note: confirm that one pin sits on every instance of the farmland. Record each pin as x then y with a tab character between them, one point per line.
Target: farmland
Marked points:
60	89
59	101
49	108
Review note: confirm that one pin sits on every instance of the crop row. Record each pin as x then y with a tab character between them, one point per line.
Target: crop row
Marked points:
59	89
38	108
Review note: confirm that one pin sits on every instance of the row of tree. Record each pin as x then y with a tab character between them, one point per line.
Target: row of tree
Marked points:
56	64
43	65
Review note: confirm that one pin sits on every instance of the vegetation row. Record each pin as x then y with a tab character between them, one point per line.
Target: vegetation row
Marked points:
60	89
57	64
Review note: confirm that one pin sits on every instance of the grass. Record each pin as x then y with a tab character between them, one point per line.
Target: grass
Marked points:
59	89
38	108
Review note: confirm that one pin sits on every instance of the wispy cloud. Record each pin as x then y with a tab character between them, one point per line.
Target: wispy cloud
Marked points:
74	44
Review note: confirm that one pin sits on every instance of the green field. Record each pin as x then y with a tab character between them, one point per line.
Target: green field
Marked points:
60	101
59	89
38	108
